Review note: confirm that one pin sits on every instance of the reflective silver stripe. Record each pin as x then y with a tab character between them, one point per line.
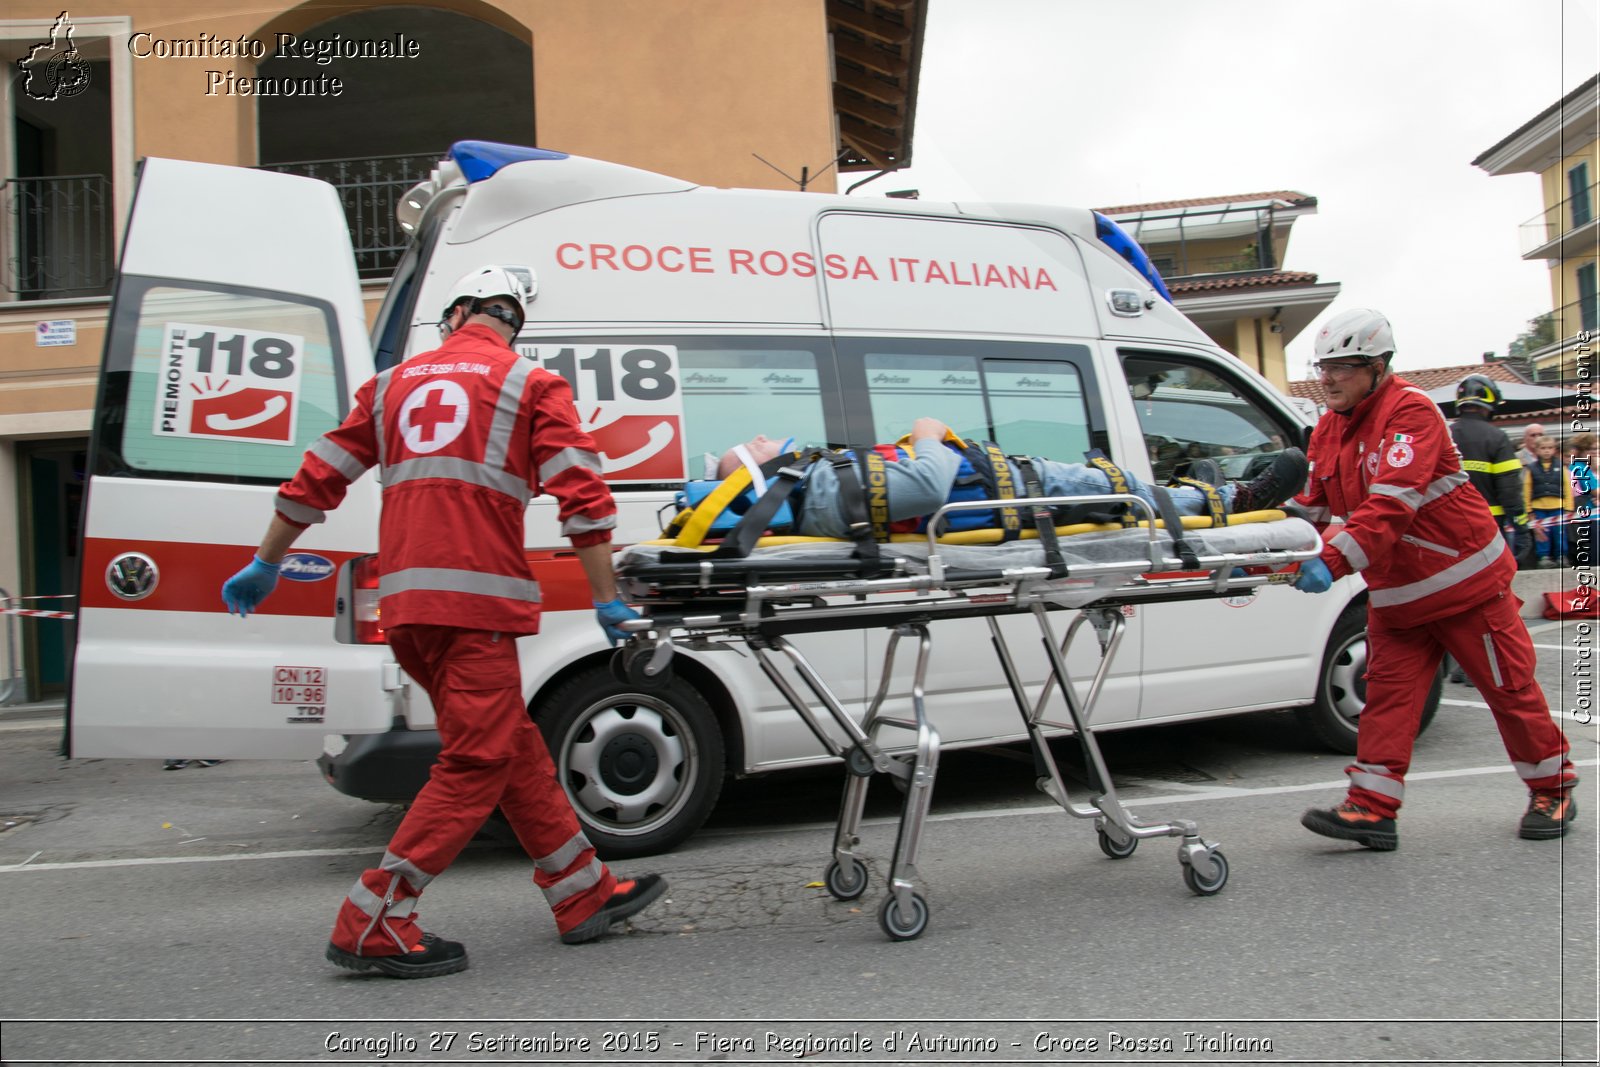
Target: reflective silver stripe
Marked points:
298	512
1431	546
449	580
1494	663
460	470
1319	514
1377	783
506	408
337	458
1542	769
1452	575
1413	498
380	387
562	858
418	877
365	899
586	878
566	459
1351	551
578	524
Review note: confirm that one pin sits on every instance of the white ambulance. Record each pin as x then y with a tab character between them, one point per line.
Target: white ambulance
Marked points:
686	319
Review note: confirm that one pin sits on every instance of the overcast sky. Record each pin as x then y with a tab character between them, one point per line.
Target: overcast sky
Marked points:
1375	107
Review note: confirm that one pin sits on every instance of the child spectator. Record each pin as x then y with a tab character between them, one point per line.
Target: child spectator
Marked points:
1547	491
1585	525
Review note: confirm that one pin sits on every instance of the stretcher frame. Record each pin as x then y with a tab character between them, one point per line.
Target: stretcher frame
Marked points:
693	605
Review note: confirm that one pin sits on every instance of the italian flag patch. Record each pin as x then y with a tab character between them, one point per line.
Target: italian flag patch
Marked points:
1403	439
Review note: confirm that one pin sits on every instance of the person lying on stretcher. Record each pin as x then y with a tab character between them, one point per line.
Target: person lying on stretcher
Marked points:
925	476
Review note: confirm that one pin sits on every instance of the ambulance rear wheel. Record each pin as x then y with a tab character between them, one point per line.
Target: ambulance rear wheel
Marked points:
642	765
1335	715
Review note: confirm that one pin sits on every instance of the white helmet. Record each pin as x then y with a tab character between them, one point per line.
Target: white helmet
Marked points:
1357	332
512	283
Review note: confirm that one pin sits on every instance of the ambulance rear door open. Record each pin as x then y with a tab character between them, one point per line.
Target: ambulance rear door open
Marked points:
236	339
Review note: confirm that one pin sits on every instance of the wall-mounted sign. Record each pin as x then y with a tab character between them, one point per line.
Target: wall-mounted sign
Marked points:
52	332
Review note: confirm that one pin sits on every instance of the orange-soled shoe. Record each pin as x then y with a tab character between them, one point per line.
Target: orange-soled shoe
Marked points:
433	956
1352	822
629	898
1550	812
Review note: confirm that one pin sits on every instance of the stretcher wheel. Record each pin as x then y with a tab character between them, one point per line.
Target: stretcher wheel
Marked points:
628	667
846	881
1115	846
1207	886
899	926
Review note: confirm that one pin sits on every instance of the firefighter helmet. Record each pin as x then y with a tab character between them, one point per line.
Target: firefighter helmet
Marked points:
1478	389
1359	332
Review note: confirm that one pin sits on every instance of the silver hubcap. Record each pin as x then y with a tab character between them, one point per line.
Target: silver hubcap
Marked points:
628	764
1346	686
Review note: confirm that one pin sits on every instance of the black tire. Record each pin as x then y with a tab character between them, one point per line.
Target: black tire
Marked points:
903	927
1115	847
642	766
846	881
1206	887
1334	716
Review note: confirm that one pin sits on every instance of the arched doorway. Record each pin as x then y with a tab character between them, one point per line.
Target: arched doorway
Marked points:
394	117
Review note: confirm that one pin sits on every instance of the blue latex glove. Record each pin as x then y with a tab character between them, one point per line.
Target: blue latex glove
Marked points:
1314	577
611	613
247	589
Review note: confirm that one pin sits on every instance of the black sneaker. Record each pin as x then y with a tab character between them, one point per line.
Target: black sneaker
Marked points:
1550	812
1283	478
1352	822
433	957
629	898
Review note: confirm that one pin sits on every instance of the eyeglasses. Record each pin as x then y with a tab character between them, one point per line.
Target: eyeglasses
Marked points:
1338	371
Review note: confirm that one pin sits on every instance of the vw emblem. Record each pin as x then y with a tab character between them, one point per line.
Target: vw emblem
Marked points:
132	576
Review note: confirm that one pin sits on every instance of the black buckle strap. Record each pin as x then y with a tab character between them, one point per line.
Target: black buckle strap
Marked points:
1174	524
1010	520
1044	519
853	506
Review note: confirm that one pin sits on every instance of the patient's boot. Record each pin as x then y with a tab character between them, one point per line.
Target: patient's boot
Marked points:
1280	481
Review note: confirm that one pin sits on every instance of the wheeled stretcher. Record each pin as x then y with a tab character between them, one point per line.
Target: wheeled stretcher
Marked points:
705	600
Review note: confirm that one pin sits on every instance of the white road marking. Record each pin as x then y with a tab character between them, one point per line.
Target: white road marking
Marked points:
1213	793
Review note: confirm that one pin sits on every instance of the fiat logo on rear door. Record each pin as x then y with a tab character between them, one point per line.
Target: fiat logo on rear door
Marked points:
132	576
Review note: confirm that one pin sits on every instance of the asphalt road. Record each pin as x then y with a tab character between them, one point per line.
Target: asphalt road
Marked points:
180	917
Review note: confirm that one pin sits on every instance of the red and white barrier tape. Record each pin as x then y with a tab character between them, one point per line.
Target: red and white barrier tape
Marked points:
38	613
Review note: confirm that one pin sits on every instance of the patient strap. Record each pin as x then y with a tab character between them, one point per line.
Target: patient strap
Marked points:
1044	520
1214	505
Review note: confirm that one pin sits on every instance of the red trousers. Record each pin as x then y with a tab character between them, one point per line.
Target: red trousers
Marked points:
491	755
1492	645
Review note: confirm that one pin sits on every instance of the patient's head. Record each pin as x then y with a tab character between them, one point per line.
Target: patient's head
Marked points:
758	449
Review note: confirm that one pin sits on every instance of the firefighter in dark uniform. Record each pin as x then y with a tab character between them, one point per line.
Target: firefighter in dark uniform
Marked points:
1487	454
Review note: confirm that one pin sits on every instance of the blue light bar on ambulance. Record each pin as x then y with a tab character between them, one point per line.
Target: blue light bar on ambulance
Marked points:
1116	238
481	159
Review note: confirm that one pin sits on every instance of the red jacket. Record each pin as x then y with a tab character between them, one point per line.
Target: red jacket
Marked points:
1414	527
463	436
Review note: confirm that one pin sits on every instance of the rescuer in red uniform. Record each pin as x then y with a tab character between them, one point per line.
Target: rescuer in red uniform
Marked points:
1439	575
463	436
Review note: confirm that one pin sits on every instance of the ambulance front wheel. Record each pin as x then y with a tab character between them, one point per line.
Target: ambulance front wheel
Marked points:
642	765
1335	715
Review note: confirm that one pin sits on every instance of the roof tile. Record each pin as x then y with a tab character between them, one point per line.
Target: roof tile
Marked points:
1422	377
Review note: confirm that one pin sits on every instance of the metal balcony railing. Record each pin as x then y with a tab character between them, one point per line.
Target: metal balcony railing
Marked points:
369	188
1180	266
57	237
1557	328
1560	219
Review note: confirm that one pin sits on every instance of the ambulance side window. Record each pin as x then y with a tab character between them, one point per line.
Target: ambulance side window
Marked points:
732	394
1193	411
1000	393
220	385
